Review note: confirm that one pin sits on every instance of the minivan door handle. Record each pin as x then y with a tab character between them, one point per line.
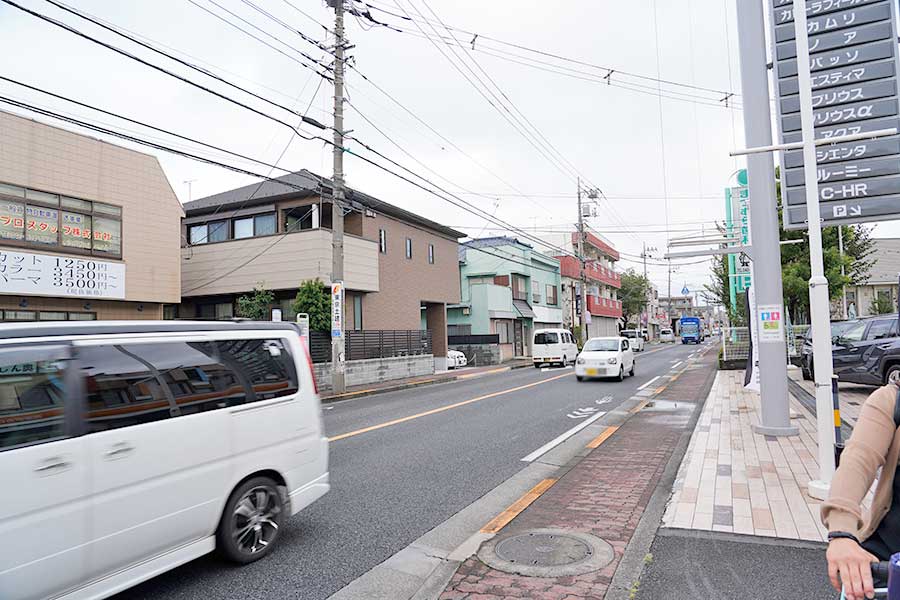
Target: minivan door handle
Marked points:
118	451
56	464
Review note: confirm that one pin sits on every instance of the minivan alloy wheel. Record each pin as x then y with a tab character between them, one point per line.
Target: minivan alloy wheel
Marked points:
254	521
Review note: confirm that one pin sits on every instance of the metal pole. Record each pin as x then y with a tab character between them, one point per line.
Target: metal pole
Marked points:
818	285
843	273
582	261
337	206
775	418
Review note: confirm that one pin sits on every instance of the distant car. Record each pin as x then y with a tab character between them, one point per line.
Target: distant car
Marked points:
456	359
637	340
605	357
666	335
553	347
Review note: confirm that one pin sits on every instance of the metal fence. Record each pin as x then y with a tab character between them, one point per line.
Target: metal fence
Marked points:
471	340
736	342
363	345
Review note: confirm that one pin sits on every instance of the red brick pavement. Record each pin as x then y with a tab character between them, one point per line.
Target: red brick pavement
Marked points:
605	495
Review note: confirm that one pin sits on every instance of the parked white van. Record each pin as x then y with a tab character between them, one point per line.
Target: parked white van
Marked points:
554	347
135	447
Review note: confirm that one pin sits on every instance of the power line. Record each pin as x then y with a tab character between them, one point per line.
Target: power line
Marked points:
481	36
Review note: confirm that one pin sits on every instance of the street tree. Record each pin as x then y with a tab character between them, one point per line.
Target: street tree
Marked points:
255	305
634	293
314	299
881	305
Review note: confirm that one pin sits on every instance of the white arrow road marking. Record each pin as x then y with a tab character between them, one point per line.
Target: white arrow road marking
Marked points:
648	383
581	413
603	400
559	440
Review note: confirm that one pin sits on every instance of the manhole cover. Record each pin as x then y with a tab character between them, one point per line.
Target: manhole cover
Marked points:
547	553
543	549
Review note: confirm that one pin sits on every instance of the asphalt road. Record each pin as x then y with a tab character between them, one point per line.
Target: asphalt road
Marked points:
394	483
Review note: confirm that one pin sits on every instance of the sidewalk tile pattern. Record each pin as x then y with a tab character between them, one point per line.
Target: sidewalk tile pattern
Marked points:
759	481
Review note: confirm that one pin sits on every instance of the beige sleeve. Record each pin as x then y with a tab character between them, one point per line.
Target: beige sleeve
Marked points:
865	452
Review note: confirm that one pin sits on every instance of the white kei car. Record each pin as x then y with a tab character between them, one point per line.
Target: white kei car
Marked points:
605	357
456	359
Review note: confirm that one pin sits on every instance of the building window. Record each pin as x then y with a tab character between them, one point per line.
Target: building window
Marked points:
357	313
552	295
408	248
45	315
217	311
198	234
520	289
40	220
170	312
216	231
430	254
459	330
535	291
264	225
382	241
301	218
243	228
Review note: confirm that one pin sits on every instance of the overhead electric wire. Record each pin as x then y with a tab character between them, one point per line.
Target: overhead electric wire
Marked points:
150	47
262	41
310	17
456	201
481	36
284	24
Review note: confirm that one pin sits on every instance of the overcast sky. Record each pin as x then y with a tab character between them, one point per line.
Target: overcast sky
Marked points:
611	135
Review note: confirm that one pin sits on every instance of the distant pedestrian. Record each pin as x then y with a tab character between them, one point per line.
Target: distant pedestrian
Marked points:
857	539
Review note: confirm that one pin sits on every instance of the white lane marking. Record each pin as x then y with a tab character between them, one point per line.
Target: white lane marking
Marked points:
675	366
559	440
581	413
327	408
649	382
603	400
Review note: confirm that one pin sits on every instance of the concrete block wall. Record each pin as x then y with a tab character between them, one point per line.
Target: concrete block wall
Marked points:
480	355
377	370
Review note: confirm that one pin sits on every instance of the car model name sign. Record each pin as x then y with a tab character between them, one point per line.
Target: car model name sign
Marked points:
33	274
853	69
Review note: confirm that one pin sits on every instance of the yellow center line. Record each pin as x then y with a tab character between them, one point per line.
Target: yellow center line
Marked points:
595	443
435	411
501	520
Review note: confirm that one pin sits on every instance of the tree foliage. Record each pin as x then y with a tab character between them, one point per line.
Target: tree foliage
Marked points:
255	305
634	293
881	305
314	299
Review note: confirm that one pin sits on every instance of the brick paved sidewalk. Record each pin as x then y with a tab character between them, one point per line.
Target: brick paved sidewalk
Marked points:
605	494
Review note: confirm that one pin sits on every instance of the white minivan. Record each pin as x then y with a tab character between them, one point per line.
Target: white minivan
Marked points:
129	448
553	347
636	339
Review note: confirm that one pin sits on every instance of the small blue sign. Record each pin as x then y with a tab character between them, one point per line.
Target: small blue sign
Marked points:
336	333
685	291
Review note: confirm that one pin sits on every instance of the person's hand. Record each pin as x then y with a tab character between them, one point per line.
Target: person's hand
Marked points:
847	559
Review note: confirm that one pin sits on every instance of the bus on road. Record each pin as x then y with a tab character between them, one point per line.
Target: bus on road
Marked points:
690	330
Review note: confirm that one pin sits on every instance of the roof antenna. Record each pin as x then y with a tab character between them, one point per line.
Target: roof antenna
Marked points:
473	41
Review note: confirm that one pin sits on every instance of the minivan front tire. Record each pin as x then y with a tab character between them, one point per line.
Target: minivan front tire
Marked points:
252	520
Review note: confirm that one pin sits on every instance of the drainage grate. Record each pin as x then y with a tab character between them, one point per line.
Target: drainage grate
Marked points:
543	550
547	553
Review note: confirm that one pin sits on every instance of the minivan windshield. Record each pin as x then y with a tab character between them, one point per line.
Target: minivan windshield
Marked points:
602	346
546	338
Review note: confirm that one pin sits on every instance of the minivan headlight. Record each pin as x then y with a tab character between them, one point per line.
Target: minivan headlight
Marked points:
613	360
581	361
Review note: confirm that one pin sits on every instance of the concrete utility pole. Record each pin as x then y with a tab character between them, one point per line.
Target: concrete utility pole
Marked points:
820	317
775	418
582	262
337	194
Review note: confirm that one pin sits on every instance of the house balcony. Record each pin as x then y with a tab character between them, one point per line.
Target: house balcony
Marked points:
604	307
569	267
283	261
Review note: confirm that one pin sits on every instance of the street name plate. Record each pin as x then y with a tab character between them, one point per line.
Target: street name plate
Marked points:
854	68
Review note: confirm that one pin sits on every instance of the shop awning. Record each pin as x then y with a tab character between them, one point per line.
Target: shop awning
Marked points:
524	309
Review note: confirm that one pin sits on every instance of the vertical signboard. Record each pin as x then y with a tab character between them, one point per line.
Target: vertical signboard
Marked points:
337	309
853	67
740	272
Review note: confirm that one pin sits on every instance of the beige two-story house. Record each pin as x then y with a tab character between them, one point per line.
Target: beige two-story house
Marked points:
400	269
88	229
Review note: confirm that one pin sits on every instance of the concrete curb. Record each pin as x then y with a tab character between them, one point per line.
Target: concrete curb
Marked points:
414	384
423	569
631	567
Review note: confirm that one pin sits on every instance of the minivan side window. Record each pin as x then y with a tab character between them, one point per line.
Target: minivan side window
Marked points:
267	365
624	344
31	395
882	328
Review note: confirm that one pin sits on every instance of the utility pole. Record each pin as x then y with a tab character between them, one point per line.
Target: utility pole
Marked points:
582	263
775	417
337	195
843	273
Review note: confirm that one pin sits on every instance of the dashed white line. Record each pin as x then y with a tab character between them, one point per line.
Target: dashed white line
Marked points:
676	365
648	383
559	440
